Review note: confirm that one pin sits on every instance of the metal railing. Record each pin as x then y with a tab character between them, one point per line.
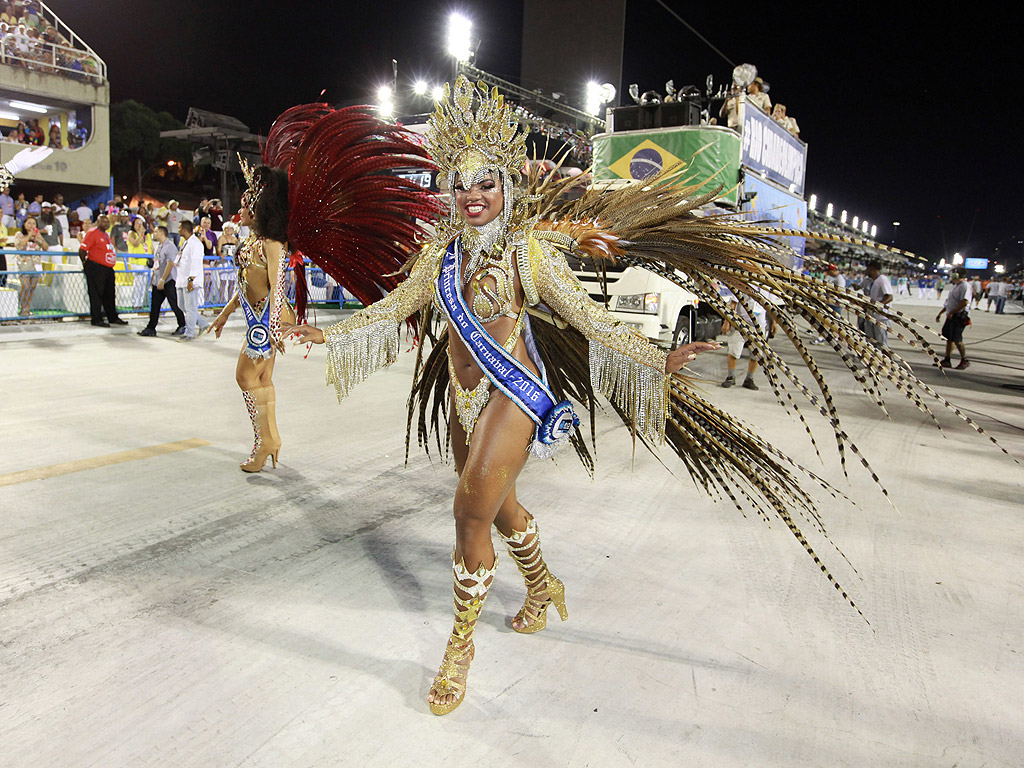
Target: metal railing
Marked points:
51	58
60	57
59	290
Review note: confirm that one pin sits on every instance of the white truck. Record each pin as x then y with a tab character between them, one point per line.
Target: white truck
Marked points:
658	308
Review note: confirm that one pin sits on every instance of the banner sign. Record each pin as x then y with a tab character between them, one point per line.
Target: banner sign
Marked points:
772	151
709	154
775	207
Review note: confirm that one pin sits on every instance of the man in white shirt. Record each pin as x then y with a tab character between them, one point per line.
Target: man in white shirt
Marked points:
997	292
878	288
955	307
190	281
976	291
84	215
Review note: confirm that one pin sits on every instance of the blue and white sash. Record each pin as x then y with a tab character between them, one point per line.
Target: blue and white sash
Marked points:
257	337
555	421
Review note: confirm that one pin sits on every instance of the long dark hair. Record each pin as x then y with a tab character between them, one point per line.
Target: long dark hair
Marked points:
270	216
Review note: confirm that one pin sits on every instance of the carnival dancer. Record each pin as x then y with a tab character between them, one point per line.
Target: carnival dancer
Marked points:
290	208
499	389
261	262
522	336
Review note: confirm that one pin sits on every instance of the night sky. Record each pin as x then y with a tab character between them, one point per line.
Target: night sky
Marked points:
910	116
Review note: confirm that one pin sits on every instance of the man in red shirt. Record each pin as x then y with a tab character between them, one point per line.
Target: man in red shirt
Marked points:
98	259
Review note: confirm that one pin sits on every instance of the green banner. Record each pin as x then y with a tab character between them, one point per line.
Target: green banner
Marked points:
711	156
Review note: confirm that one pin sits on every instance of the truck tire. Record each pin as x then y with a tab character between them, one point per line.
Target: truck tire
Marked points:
683	333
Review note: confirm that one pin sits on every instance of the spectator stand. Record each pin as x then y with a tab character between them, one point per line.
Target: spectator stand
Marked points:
34	37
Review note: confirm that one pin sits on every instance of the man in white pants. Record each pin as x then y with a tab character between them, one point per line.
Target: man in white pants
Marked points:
190	281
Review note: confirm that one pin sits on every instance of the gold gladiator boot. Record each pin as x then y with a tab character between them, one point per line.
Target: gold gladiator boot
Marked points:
260	403
524	548
451	677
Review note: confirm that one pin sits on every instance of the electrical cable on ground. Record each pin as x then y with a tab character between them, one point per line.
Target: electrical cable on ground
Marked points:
993	338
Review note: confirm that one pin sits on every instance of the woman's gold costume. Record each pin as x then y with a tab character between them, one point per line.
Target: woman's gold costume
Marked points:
582	350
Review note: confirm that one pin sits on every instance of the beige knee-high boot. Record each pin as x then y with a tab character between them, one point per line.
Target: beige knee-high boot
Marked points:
261	409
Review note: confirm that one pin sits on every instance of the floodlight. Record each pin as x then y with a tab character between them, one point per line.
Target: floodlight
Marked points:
828	210
813	202
856	222
460	30
842	217
593	98
420	87
438	92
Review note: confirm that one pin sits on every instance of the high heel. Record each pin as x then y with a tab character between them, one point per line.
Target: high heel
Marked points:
259	458
260	404
458	654
524	549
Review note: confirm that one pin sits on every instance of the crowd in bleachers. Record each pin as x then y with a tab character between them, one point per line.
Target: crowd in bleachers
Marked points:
29	39
55	231
32	133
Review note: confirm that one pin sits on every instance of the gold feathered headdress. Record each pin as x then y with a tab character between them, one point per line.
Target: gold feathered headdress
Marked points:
466	142
251	174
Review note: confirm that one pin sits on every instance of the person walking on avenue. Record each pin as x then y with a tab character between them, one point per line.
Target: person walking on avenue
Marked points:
957	318
976	292
98	259
878	288
735	342
162	278
190	281
997	292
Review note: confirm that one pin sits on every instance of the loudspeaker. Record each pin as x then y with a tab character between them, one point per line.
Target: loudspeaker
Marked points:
679	113
632	117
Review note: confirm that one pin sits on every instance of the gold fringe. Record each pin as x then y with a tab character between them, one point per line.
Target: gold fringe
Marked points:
352	355
639	390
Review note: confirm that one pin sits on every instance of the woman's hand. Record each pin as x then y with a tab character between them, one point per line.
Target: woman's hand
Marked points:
217	325
680	356
304	334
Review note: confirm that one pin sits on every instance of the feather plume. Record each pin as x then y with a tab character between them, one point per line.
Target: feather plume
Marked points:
348	212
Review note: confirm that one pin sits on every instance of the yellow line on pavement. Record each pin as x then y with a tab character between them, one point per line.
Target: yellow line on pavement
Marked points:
42	473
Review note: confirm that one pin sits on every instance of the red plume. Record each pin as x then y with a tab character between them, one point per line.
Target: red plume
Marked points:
286	132
347	212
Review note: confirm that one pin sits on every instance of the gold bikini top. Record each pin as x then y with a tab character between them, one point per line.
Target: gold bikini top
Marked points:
489	259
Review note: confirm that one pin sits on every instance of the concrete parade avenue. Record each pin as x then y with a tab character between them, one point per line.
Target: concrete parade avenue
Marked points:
158	607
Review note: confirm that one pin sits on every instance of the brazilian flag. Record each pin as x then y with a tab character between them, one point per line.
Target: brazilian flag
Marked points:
645	159
703	153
